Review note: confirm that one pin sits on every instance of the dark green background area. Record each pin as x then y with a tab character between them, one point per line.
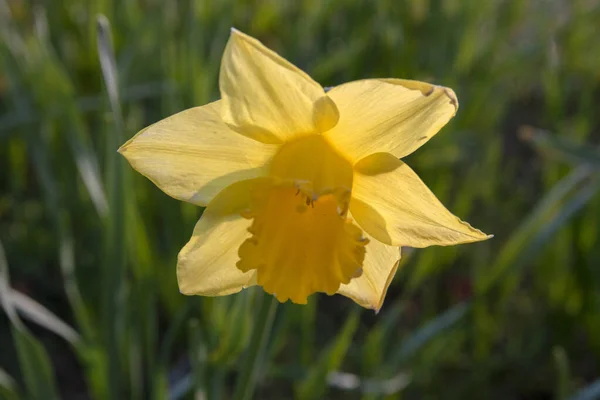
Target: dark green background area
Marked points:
95	244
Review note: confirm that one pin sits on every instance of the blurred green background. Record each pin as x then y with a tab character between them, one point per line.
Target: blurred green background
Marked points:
92	308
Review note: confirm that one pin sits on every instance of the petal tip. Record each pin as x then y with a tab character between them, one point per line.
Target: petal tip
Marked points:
183	288
480	235
124	147
452	96
185	292
238	37
181	271
241	37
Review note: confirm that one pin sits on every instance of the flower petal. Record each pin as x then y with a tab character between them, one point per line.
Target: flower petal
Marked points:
193	155
267	98
388	115
392	204
207	263
379	267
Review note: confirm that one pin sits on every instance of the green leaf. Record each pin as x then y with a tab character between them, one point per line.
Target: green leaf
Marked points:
89	352
315	383
253	362
198	359
375	344
423	335
8	387
234	335
561	147
35	312
560	204
36	368
563	378
114	270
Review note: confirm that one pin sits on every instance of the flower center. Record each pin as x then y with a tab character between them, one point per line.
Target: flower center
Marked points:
302	241
311	159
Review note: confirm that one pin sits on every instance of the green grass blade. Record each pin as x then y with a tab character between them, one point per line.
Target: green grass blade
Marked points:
423	335
109	72
563	148
8	387
534	231
89	353
375	344
256	350
40	315
37	371
315	383
308	317
114	269
5	289
67	266
198	359
235	332
563	377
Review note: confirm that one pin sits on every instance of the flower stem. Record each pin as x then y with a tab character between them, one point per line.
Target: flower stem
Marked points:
255	353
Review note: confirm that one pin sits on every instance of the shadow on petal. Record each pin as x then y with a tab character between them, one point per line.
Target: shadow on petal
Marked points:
374	223
377	163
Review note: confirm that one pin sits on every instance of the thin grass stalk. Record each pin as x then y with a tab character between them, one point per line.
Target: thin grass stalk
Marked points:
258	343
114	268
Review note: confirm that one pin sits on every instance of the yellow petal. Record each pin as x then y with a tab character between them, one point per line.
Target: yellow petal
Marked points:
388	115
207	264
267	98
393	205
193	155
379	267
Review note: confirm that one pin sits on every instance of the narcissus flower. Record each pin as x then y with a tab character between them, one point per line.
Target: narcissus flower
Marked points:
304	190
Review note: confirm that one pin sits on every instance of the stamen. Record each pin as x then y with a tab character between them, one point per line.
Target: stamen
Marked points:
247	214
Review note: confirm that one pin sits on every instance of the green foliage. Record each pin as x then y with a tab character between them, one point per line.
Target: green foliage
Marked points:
8	388
92	247
314	385
34	362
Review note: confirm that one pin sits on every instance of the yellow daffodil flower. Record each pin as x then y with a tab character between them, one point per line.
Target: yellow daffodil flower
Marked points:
304	190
